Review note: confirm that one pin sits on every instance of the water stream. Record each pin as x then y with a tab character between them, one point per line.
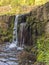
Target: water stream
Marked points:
15	38
8	57
9	51
14	43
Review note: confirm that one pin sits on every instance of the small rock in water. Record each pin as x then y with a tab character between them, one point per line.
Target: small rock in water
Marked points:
12	63
2	63
12	45
19	48
2	59
13	59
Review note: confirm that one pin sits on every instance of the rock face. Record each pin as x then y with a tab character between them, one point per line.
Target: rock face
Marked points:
30	26
37	24
6	28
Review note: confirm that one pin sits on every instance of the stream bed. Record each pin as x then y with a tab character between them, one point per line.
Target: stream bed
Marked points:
8	57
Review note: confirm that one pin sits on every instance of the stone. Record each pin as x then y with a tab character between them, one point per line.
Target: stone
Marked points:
12	63
2	63
3	59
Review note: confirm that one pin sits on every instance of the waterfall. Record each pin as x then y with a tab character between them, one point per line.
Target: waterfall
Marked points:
22	33
15	38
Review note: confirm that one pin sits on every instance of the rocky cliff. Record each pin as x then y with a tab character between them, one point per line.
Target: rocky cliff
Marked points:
37	24
6	28
36	34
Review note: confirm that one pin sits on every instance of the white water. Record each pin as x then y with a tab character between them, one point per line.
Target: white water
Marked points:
15	38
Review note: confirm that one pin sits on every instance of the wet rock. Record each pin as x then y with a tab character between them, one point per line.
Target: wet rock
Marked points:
2	63
3	59
8	57
26	58
12	63
13	59
20	48
36	21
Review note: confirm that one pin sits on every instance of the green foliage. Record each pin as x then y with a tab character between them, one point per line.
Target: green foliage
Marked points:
16	2
20	2
43	49
6	34
10	29
11	7
28	48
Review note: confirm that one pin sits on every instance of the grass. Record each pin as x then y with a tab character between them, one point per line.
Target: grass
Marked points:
43	50
12	7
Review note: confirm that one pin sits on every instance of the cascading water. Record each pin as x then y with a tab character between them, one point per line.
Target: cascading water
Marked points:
15	38
8	51
22	33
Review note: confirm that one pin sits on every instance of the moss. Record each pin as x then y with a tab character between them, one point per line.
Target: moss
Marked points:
43	49
28	48
6	33
10	29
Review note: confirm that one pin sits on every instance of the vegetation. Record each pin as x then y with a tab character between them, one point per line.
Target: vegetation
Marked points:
6	29
43	50
18	6
36	26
